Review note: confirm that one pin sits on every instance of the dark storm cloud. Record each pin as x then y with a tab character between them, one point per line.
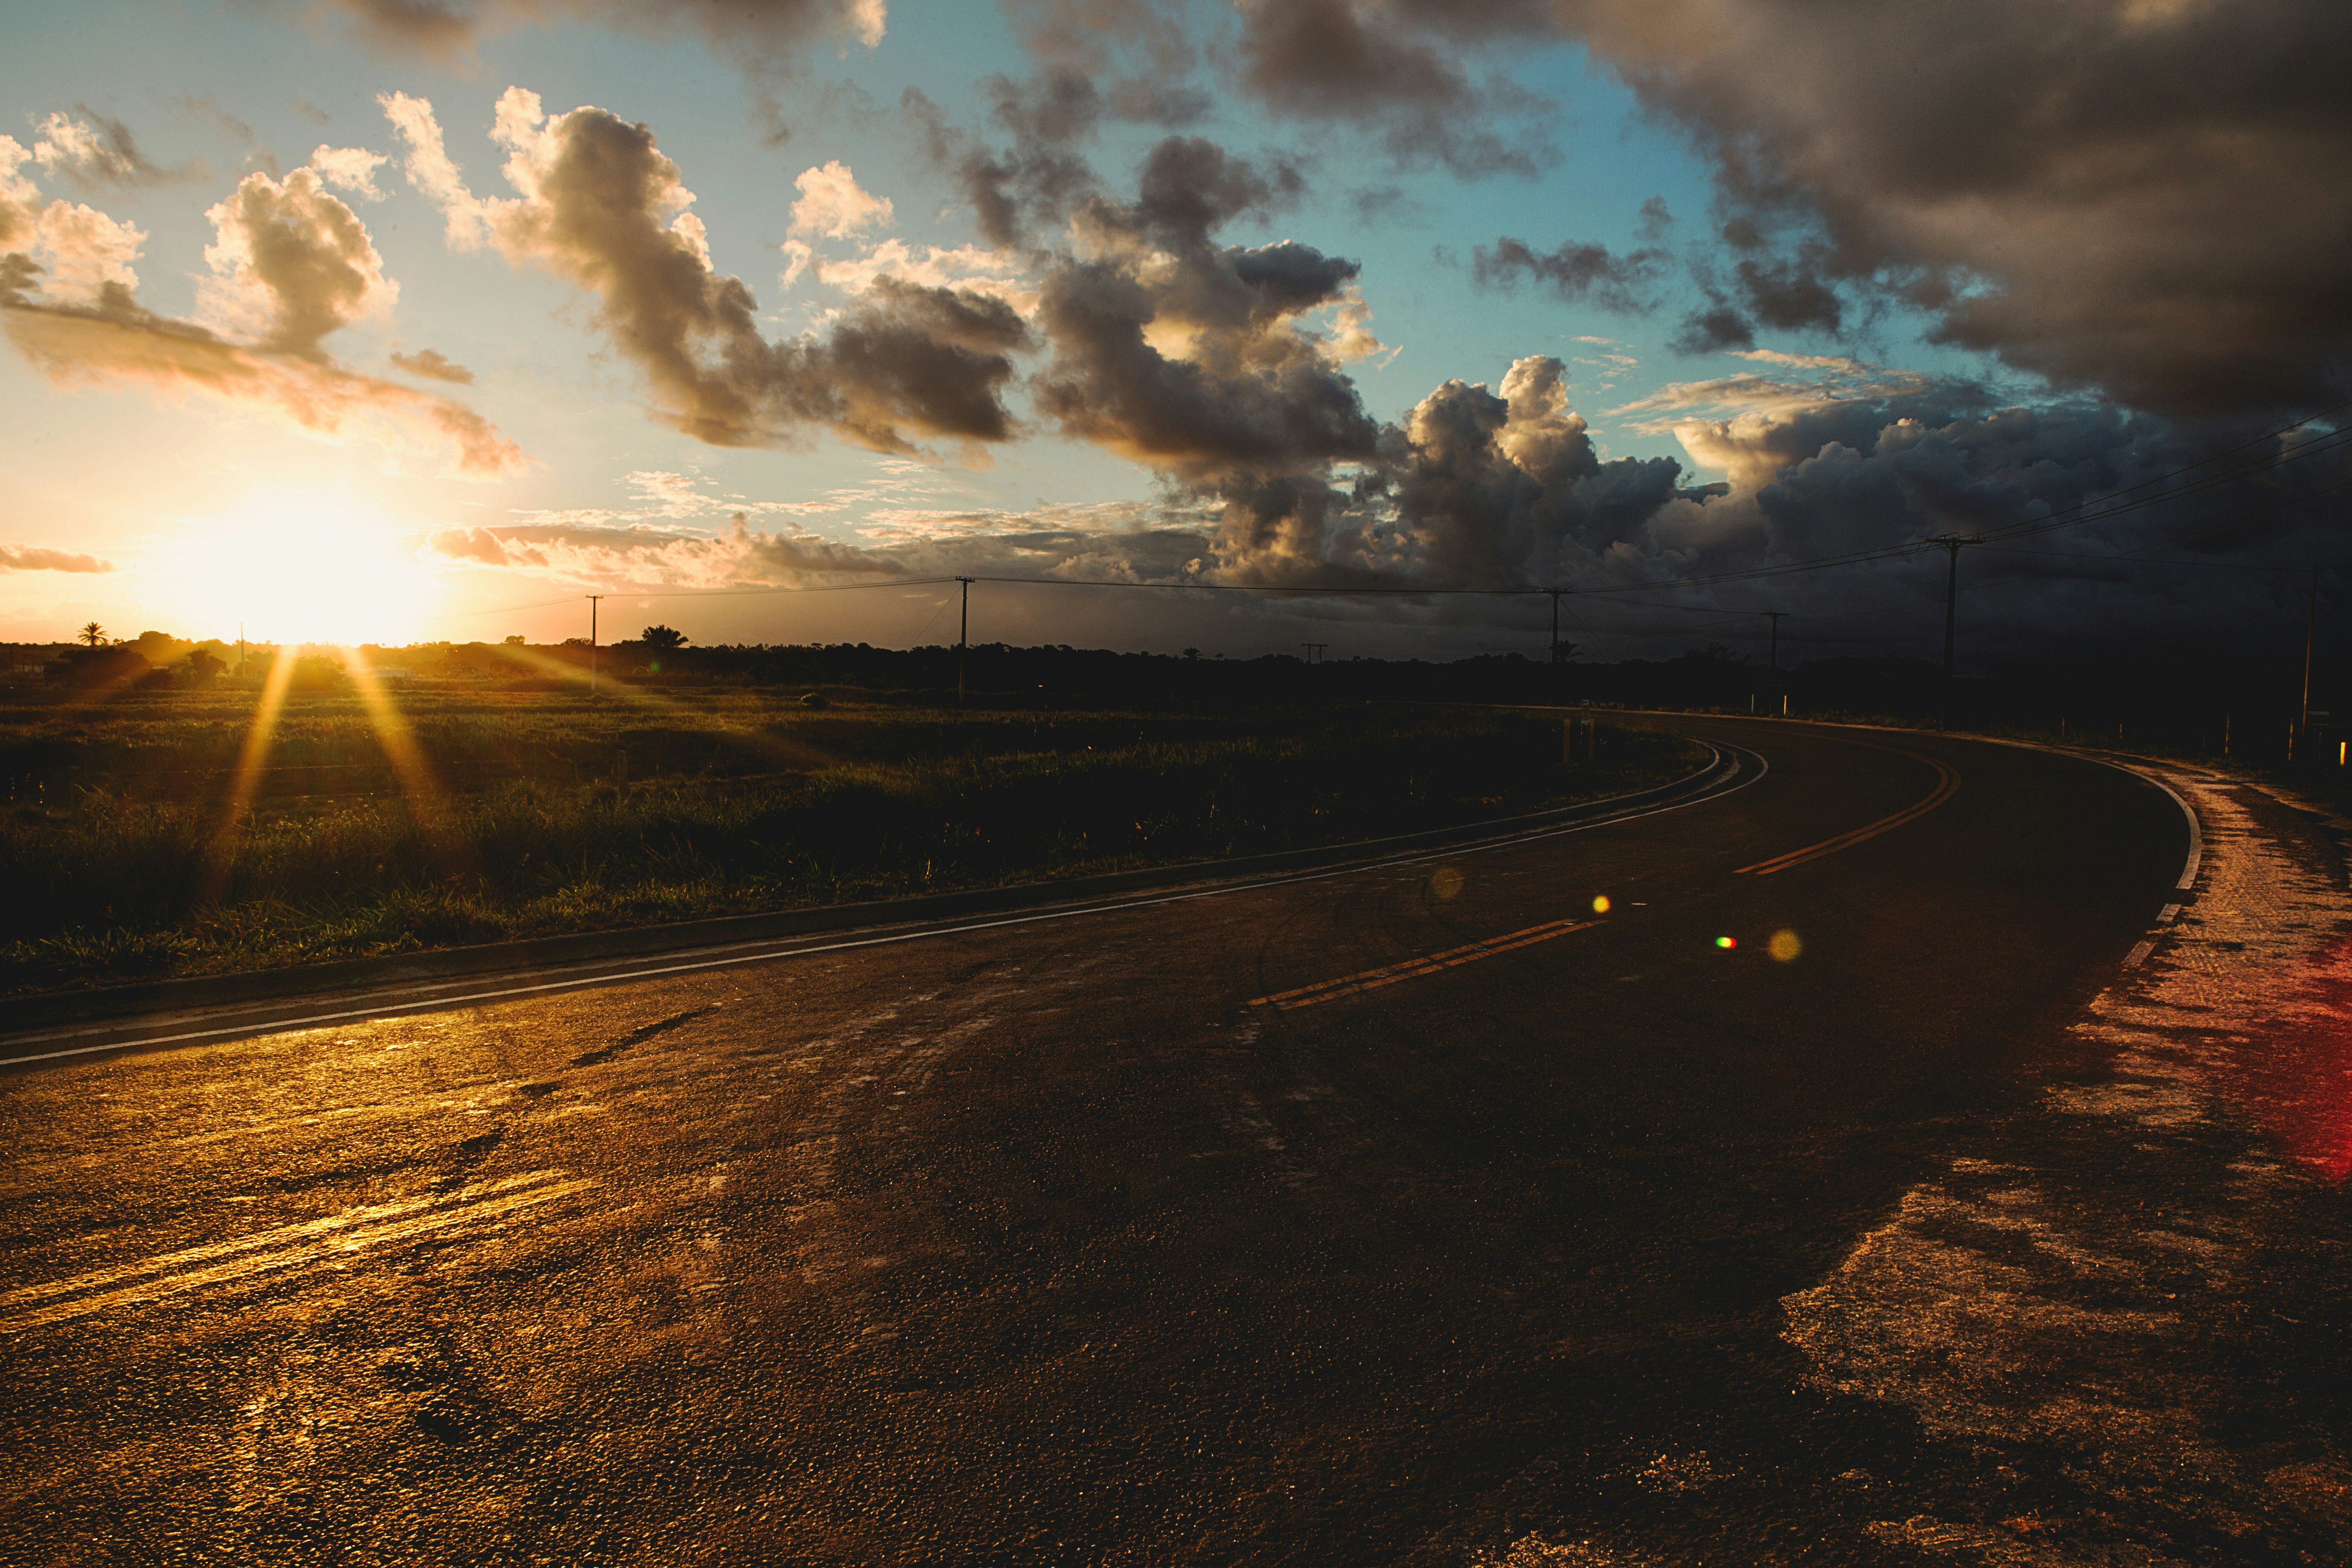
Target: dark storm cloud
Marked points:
1713	328
1575	271
1397	68
2149	198
1019	192
1858	459
603	208
1191	357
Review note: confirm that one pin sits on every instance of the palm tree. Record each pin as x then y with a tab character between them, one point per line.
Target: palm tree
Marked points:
94	635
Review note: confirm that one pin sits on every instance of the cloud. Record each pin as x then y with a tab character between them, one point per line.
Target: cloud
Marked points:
290	265
603	208
431	170
832	204
433	366
1189	355
99	154
1000	274
1575	271
1400	68
32	558
2148	201
351	169
1030	186
750	30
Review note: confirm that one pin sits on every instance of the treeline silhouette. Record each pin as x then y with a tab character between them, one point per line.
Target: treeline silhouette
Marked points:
2186	703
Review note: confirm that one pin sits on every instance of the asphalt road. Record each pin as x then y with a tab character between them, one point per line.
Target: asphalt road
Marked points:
1053	1242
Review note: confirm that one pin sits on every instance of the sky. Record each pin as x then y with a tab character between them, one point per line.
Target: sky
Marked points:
402	319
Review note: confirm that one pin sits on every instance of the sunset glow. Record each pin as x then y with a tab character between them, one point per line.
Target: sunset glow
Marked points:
289	570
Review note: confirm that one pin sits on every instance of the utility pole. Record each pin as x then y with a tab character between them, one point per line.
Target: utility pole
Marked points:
592	599
1555	625
1314	651
963	634
1777	616
1951	544
240	650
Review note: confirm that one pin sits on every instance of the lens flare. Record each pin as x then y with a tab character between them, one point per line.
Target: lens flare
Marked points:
1727	943
1601	905
1786	946
1445	881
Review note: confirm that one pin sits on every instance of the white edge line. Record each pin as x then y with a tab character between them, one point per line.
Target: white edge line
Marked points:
279	1026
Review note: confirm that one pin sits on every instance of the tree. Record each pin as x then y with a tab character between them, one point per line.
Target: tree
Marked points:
94	635
203	665
662	640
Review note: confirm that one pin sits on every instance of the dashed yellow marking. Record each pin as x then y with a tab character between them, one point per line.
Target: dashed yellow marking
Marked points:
1431	963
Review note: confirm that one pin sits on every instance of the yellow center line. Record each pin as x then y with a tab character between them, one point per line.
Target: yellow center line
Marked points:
1407	969
1948	784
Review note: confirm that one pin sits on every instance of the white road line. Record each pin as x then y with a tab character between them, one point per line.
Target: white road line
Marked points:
765	954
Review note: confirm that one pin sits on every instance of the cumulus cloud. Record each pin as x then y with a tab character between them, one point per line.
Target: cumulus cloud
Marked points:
97	153
603	208
350	168
1000	274
33	558
433	365
1188	355
290	265
832	202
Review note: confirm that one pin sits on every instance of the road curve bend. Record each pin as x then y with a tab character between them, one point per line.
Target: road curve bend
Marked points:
1413	1213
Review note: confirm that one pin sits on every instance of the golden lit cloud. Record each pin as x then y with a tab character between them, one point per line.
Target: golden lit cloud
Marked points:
291	264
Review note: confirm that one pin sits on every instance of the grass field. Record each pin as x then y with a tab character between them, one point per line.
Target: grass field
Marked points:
131	851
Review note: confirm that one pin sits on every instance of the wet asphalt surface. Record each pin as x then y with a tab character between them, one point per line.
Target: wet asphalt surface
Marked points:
1044	1245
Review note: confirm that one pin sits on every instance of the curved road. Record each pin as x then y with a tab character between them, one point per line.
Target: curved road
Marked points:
1059	1242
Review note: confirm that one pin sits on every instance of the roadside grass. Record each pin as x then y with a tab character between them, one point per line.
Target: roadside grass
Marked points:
114	840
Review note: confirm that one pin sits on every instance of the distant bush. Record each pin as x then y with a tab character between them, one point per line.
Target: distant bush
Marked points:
92	669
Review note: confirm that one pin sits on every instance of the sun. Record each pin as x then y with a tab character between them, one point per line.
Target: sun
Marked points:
293	570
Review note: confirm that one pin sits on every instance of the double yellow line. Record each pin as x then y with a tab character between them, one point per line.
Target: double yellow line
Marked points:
1948	784
1372	979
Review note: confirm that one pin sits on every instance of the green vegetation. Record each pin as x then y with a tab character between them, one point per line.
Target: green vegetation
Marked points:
127	857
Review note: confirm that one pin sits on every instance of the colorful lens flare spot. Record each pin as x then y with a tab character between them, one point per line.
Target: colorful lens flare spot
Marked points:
1601	905
1785	946
1727	943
